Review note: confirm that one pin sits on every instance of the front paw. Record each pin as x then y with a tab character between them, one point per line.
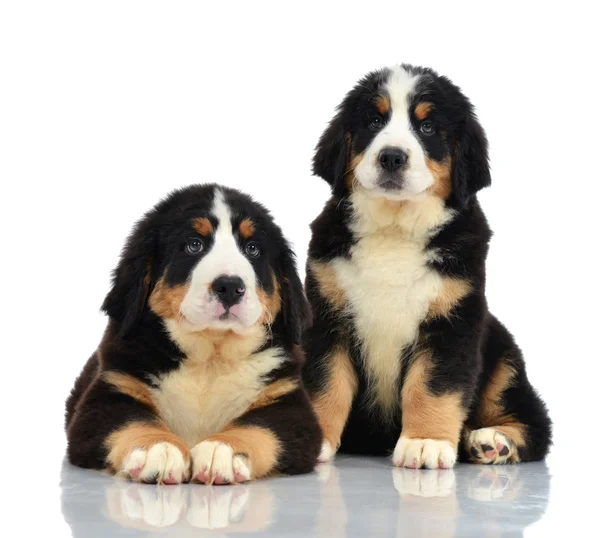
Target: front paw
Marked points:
161	463
429	453
215	462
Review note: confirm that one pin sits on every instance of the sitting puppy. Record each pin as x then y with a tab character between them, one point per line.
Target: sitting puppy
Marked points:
404	355
197	373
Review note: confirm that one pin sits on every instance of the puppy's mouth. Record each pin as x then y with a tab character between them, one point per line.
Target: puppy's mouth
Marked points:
228	316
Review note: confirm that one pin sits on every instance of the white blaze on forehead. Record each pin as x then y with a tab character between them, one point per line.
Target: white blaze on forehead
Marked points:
397	133
223	258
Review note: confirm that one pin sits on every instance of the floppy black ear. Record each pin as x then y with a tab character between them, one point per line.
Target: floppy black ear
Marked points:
471	170
295	307
131	279
331	155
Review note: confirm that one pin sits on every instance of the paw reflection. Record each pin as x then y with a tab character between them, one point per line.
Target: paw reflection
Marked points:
424	483
235	508
496	482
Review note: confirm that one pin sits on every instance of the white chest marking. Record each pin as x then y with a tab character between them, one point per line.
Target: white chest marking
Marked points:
201	397
389	289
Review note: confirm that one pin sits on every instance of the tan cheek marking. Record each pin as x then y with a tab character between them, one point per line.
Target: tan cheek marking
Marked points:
203	226
273	392
491	413
139	435
247	228
260	445
132	387
382	104
424	415
441	172
453	290
333	404
422	110
328	284
271	303
165	301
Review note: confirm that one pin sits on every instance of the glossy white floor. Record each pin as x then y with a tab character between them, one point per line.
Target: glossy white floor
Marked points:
352	497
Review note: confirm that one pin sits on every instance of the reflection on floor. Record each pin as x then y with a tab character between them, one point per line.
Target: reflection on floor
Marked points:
352	497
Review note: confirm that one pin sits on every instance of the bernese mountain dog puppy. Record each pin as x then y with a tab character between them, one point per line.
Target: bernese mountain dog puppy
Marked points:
198	374
403	355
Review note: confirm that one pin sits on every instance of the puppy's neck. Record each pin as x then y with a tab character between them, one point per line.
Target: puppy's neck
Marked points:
414	219
210	346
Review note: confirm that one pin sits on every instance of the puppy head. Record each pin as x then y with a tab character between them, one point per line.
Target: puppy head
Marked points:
404	133
208	258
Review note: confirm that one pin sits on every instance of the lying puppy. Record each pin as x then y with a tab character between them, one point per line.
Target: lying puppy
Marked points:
197	373
403	354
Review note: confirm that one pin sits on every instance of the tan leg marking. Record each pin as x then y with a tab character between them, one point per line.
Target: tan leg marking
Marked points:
424	415
131	386
334	403
259	445
143	436
328	283
452	292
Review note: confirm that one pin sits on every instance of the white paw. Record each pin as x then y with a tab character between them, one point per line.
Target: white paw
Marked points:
218	508
487	445
430	453
163	463
327	452
215	463
429	483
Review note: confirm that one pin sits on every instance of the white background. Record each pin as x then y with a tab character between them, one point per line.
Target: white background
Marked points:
106	106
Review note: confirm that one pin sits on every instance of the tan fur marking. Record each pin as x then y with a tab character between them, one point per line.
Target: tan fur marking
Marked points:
247	228
382	103
422	110
425	416
165	301
140	435
328	284
260	445
441	172
333	404
491	414
273	392
203	226
271	303
131	386
453	290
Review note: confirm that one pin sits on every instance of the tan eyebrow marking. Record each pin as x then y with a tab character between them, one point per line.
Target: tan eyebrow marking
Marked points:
247	228
203	226
382	103
422	110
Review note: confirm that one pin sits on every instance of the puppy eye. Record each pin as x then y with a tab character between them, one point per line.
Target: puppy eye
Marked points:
427	127
375	123
253	250
194	246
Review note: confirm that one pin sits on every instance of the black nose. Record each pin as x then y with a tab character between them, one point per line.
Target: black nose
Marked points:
391	159
229	289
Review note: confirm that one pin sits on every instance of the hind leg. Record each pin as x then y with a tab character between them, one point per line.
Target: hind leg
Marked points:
510	422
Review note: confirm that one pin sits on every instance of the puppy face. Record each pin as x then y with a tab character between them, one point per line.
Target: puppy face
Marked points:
219	273
208	258
404	133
